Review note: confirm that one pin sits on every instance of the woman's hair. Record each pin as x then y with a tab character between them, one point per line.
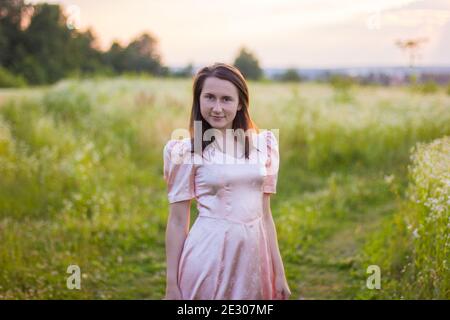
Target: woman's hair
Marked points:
242	119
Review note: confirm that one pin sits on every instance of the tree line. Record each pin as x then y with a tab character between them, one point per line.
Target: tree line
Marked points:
38	46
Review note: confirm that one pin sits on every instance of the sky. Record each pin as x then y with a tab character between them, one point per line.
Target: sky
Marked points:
281	33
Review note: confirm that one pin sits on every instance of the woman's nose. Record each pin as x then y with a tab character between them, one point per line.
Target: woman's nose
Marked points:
217	107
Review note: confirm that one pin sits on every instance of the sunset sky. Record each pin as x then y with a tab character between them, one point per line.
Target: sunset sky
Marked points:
281	33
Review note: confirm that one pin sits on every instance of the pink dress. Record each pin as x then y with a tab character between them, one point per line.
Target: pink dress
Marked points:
226	254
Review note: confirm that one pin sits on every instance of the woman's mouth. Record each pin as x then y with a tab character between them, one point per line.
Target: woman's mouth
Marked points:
217	118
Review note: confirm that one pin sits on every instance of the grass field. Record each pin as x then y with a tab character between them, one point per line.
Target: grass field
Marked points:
81	182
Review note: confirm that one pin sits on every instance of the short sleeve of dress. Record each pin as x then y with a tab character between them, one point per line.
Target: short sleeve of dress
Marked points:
179	171
272	163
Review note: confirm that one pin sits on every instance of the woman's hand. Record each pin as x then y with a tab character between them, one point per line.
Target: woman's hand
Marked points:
173	293
282	291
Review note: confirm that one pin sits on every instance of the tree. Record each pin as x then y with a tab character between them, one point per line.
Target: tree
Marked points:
54	51
291	74
37	43
50	42
115	57
12	14
86	57
247	63
140	55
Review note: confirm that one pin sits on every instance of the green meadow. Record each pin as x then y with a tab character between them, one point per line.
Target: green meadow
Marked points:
364	180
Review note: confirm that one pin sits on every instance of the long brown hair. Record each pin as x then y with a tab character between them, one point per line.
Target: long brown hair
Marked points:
242	119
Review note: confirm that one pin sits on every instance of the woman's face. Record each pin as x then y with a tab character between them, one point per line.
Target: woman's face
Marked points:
219	102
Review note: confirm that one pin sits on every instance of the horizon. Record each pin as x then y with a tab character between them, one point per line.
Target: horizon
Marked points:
394	66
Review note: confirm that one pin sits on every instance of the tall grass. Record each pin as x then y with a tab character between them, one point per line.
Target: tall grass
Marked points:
81	178
376	129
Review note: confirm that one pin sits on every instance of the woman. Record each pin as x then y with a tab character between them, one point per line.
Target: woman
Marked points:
231	251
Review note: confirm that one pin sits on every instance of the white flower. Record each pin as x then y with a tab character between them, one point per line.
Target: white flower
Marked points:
388	179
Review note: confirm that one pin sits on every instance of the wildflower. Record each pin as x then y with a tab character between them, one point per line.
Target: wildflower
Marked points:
388	179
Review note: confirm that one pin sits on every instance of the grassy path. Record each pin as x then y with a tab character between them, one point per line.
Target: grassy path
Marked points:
331	269
322	230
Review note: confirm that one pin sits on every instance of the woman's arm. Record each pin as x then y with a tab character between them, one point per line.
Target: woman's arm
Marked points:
280	278
176	233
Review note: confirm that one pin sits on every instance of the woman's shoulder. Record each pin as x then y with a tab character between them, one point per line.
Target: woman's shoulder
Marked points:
177	147
267	137
178	143
263	141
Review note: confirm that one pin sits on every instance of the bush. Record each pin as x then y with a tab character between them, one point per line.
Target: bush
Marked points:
9	80
342	86
413	249
67	103
428	87
290	75
339	82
